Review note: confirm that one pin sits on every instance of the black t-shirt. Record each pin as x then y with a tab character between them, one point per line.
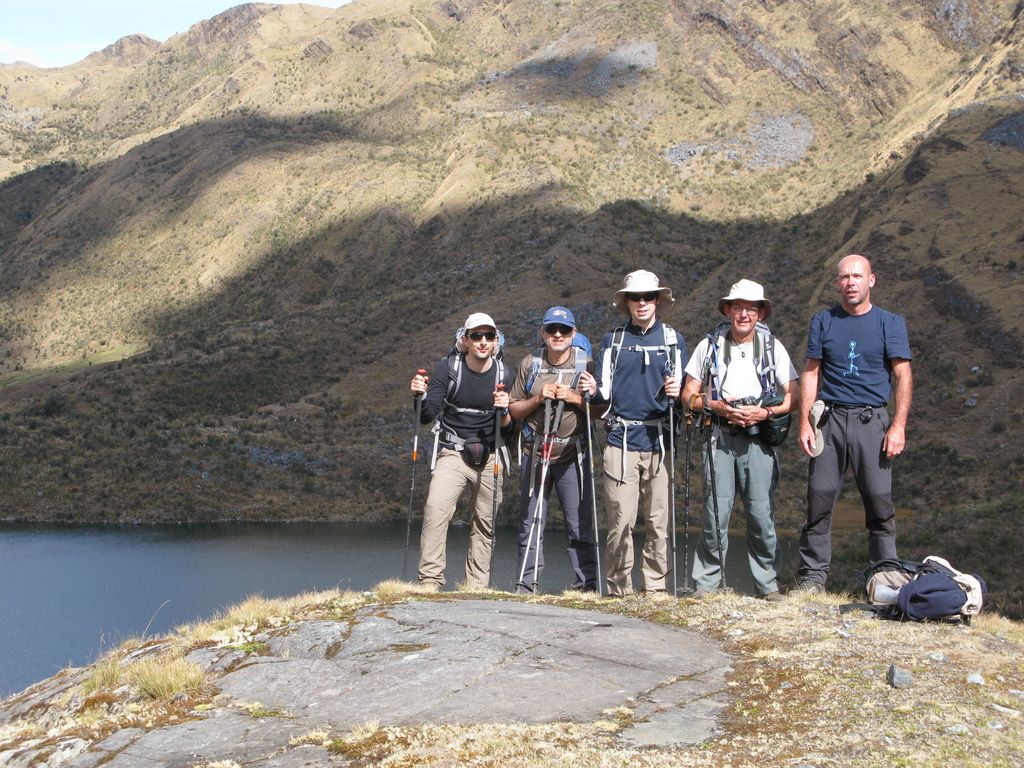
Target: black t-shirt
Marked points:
475	391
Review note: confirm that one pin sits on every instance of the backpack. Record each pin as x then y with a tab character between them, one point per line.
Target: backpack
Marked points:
774	430
930	589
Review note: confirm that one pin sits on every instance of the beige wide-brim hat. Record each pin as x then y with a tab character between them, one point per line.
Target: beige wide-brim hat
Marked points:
640	281
746	290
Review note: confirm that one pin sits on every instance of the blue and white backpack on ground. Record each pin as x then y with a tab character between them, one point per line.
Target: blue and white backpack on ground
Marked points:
930	589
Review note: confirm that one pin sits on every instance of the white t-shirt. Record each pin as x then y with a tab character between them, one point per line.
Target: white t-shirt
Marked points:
739	377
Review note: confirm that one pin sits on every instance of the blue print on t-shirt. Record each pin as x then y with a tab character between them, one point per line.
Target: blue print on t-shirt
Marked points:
853	370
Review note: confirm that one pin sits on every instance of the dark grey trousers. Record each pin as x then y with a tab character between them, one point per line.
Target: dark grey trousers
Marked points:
853	440
572	485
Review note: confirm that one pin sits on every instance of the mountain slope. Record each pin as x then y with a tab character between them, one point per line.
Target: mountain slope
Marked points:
222	256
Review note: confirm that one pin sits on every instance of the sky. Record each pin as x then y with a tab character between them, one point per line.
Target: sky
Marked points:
55	33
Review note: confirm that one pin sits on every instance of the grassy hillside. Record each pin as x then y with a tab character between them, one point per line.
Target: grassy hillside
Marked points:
222	256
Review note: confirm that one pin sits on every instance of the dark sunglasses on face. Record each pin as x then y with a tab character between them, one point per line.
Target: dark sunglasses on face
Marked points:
554	328
477	335
648	297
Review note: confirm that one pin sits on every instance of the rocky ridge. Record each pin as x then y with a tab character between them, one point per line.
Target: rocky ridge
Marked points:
392	677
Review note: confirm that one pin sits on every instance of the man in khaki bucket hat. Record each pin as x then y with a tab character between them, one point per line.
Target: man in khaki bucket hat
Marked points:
735	371
637	377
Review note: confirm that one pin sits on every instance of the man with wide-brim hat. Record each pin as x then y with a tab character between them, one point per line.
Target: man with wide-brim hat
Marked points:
636	380
461	399
735	372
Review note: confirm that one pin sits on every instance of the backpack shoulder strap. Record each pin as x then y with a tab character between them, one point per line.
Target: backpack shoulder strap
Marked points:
617	336
455	362
609	375
536	363
717	344
765	358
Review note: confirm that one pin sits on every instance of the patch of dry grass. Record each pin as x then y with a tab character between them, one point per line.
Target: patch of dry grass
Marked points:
240	622
162	678
105	673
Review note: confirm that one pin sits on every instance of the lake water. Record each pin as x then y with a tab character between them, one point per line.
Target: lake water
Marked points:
69	593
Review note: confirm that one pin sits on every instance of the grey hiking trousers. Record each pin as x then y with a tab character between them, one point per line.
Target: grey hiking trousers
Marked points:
743	465
571	483
853	439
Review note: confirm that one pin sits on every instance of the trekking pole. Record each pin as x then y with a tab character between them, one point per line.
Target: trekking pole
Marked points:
670	368
593	497
418	406
672	490
686	504
538	504
714	500
497	478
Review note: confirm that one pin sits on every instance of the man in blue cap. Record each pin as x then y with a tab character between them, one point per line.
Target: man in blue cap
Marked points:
547	395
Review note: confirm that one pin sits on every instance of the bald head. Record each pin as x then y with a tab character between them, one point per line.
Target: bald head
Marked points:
855	280
848	262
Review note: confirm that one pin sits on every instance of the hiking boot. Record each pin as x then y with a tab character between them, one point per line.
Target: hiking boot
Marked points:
771	597
807	587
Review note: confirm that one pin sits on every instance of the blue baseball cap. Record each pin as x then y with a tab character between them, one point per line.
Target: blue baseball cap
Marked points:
559	315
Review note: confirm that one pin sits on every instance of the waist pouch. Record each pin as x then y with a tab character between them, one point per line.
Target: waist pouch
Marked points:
774	430
475	453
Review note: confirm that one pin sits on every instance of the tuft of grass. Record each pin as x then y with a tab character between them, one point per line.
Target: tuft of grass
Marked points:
105	673
253	648
237	624
257	710
362	743
317	738
163	678
392	589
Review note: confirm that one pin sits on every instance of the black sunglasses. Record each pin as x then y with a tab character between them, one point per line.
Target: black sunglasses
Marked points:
648	297
477	335
554	328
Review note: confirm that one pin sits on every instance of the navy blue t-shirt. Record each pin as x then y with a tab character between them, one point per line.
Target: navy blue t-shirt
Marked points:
856	354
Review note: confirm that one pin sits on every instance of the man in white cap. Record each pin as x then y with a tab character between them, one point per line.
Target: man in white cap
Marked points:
857	356
733	373
464	391
637	376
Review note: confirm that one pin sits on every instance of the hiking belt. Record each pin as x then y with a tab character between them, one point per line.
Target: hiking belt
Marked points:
627	423
831	406
446	438
724	423
864	413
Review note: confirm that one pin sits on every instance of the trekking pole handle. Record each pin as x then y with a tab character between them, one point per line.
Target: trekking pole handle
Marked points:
416	426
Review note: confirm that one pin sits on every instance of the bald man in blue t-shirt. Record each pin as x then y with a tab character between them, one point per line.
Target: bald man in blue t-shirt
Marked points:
857	355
